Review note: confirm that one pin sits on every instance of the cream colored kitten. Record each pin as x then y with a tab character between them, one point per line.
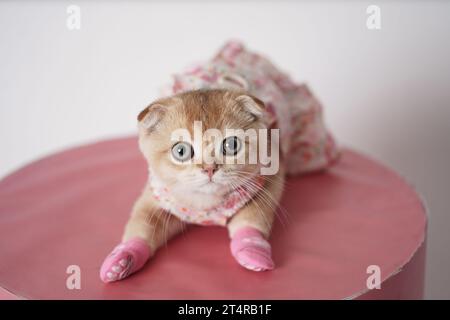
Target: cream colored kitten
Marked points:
181	191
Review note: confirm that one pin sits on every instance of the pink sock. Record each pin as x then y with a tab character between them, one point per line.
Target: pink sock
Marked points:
251	250
125	259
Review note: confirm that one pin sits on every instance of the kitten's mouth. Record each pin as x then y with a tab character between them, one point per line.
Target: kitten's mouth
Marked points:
209	187
209	183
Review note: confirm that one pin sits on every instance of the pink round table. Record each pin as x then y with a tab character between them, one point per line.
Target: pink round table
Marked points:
70	209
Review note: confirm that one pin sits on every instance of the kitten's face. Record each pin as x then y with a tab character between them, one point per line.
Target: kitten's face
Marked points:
176	163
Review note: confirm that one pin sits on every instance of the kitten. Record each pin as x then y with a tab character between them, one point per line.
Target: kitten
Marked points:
179	191
189	181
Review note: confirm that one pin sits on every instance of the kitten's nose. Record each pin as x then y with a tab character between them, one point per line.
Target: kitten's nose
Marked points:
209	169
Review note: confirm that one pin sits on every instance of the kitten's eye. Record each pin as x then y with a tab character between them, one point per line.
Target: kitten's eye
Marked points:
182	151
231	146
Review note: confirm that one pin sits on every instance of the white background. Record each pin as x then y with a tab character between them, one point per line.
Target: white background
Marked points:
386	92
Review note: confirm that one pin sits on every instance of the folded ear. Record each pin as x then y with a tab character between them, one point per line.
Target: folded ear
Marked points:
151	116
252	105
257	109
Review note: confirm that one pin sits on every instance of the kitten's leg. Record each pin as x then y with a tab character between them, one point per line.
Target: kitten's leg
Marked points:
250	228
148	228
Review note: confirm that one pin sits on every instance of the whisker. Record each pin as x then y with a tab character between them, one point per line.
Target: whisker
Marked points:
259	209
275	179
274	204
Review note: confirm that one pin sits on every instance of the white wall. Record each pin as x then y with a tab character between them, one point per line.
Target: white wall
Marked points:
386	92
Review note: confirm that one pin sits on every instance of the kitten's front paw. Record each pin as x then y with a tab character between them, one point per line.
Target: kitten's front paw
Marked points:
251	250
125	259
